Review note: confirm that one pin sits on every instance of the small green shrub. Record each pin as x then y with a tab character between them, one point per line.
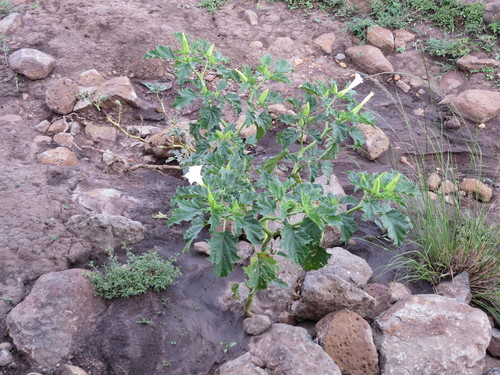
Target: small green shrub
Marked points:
136	276
358	26
5	8
212	5
393	13
448	48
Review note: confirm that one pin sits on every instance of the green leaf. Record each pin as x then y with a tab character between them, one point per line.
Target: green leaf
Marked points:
282	66
266	206
223	252
345	223
261	271
186	211
287	137
371	207
193	231
271	163
288	119
160	52
234	100
212	114
185	97
252	228
357	136
397	225
183	71
294	241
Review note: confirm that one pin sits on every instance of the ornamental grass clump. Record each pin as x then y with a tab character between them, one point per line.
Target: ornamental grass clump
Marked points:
235	196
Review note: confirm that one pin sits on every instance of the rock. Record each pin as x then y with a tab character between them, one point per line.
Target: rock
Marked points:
245	251
494	346
257	44
202	248
70	370
106	230
43	126
64	139
430	334
42	139
458	288
325	42
477	188
447	187
493	371
90	78
61	96
160	144
103	200
399	292
370	59
347	338
5	357
381	38
492	12
11	120
247	131
276	110
256	325
48	325
32	63
58	126
469	63
119	88
60	156
74	128
284	44
376	142
243	365
401	37
453	123
337	286
100	133
403	86
289	350
433	181
476	105
451	80
382	296
10	23
251	17
6	345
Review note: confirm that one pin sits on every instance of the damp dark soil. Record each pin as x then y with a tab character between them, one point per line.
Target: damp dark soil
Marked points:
187	323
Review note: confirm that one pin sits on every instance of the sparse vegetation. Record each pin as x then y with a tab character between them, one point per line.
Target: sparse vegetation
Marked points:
138	274
5	8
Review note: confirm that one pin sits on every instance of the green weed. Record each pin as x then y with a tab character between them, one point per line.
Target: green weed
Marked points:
5	8
212	5
136	276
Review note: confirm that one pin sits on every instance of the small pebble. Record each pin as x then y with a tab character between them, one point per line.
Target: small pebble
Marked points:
5	357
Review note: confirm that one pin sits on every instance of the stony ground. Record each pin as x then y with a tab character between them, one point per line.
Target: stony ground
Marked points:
111	37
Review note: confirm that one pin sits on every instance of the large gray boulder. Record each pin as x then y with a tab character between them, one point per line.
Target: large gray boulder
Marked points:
243	365
106	230
337	286
431	334
55	317
289	350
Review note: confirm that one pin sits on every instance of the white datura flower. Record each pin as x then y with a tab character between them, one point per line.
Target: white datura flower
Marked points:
193	175
360	105
356	82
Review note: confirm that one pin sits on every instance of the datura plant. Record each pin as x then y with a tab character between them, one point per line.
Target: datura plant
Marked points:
233	195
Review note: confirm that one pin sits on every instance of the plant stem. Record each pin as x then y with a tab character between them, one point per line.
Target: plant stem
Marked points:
248	304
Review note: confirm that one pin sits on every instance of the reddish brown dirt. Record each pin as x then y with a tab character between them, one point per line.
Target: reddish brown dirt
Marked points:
111	37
